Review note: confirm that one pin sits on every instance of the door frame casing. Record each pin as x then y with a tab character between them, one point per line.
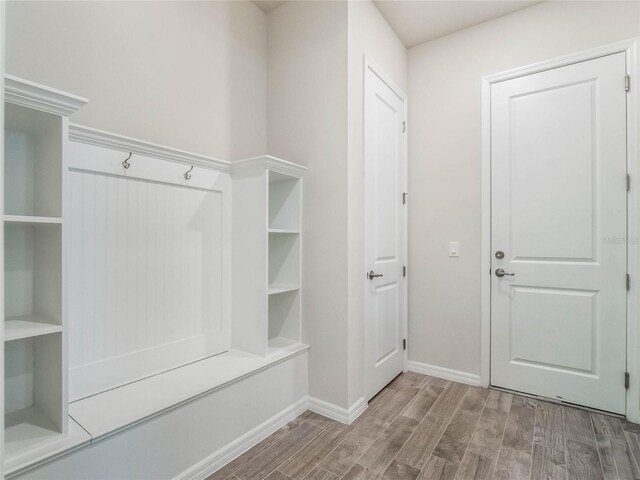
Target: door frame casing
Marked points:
369	64
629	48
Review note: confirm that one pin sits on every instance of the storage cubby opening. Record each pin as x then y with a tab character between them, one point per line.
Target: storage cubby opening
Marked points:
284	261
284	319
284	202
32	163
33	391
33	281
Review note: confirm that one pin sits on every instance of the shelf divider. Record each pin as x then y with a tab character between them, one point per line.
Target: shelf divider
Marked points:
32	220
275	289
26	326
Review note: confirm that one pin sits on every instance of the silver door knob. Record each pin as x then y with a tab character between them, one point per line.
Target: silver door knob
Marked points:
373	275
501	273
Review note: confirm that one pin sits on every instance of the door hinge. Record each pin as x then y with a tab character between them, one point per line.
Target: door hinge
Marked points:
404	127
628	182
626	380
404	343
628	282
404	271
627	83
404	197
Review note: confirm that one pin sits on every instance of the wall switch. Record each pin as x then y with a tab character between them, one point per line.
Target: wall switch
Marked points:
454	249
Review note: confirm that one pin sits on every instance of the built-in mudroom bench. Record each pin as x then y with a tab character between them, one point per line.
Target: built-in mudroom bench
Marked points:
152	303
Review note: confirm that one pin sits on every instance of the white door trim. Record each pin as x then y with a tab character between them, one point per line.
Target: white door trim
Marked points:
369	64
629	47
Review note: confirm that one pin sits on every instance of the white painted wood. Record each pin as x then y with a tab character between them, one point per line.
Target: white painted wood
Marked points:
278	288
2	210
629	48
284	259
219	459
150	268
283	230
284	202
113	141
31	220
267	202
33	165
50	444
96	159
445	373
204	427
254	165
33	382
284	315
633	232
250	250
339	414
102	415
385	230
26	326
19	91
559	215
33	174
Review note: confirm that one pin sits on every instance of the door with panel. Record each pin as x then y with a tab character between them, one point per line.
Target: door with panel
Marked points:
559	224
385	220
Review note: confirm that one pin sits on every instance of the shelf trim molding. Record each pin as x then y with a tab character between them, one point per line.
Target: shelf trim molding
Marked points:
268	162
100	138
39	97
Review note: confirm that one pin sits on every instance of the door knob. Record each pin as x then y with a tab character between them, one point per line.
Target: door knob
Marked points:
501	273
373	275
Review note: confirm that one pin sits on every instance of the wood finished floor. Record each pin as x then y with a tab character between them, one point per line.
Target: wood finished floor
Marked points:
424	428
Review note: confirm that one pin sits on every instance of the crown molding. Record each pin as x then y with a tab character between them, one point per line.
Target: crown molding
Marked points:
33	95
267	162
100	138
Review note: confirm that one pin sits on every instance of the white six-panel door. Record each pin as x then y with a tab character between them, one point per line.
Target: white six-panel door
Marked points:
558	180
385	179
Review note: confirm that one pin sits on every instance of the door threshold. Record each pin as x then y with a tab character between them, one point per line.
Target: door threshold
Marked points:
556	401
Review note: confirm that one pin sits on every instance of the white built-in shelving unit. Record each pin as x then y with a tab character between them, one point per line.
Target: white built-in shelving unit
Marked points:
49	239
36	119
267	232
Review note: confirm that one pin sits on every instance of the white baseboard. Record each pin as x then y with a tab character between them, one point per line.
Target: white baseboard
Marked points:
216	461
219	459
339	414
446	373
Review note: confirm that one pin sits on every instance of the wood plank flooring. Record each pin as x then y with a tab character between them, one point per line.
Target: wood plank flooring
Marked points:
424	428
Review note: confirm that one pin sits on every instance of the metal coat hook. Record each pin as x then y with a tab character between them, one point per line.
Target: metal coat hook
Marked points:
126	163
187	174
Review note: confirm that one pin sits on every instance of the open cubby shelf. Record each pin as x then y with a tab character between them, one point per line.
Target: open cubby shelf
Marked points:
267	316
35	407
33	391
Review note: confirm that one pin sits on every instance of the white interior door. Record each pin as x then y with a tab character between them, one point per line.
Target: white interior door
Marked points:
385	180
558	162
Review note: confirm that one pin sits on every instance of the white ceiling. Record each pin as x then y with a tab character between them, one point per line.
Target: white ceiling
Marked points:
416	22
268	5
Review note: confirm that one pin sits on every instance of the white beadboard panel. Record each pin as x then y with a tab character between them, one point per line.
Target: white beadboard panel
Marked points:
149	267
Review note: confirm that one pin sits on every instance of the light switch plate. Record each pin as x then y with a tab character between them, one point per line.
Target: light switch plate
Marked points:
454	249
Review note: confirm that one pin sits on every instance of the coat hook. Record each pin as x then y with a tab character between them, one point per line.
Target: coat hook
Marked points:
126	163
187	175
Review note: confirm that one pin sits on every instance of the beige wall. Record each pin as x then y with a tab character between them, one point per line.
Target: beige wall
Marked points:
315	118
371	35
190	75
307	124
445	158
